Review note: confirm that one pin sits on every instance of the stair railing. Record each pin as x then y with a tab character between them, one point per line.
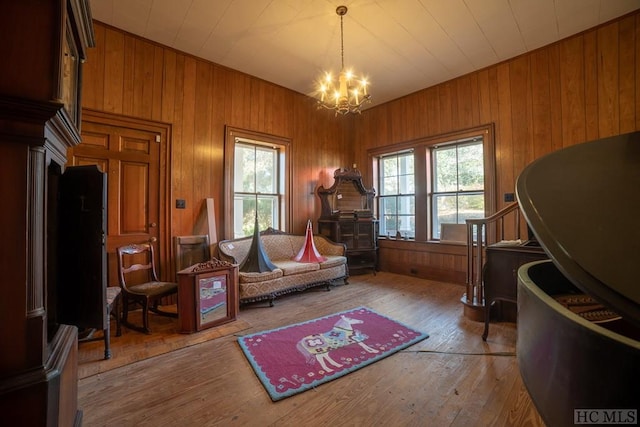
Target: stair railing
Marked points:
478	237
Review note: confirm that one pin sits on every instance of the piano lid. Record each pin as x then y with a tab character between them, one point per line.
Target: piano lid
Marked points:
583	205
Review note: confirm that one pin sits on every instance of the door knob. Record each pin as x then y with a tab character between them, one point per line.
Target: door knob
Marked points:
153	224
153	239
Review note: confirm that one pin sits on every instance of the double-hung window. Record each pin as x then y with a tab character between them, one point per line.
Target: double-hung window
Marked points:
442	179
458	183
256	167
397	202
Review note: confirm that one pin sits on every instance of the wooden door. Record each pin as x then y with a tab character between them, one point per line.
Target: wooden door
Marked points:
130	157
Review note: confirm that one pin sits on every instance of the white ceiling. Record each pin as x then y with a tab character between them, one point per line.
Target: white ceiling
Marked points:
401	45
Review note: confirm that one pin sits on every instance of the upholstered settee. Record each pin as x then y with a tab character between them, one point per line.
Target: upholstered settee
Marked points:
289	275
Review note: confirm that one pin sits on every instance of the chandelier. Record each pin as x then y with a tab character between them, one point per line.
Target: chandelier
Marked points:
349	92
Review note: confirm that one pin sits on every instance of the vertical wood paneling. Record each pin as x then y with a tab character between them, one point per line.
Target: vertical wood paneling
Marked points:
504	139
608	71
202	161
541	103
128	81
188	145
579	89
582	88
113	71
521	112
572	91
627	74
591	85
92	95
158	79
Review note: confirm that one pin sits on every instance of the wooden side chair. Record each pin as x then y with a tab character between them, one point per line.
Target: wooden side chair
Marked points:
139	283
190	250
113	309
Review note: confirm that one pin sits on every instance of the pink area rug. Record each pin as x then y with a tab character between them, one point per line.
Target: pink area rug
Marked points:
298	357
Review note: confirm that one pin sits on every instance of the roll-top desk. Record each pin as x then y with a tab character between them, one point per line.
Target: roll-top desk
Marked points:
347	217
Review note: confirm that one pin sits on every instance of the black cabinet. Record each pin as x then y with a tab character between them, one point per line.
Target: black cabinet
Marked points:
360	237
500	274
82	262
347	218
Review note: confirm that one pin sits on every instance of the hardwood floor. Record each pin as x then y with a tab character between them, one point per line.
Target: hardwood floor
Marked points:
452	378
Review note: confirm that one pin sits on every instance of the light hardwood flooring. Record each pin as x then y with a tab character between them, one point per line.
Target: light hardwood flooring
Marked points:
452	378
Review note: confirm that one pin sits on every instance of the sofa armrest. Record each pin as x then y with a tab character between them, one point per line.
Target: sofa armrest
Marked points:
328	247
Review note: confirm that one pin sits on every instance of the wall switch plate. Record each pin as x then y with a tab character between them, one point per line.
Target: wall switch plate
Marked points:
509	197
181	203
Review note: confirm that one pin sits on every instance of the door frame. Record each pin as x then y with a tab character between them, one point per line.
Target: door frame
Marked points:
164	180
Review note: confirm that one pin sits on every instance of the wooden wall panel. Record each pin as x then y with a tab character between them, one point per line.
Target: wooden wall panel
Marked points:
608	69
128	75
579	89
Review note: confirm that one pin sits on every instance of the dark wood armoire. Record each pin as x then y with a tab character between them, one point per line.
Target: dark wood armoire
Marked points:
347	217
43	46
81	289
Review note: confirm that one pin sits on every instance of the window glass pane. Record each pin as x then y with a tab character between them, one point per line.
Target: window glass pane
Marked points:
266	172
389	167
470	206
407	226
406	184
244	169
406	205
244	208
388	225
444	212
445	169
388	205
389	185
405	164
470	167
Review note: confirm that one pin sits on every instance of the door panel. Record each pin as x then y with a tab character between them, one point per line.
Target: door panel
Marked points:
131	158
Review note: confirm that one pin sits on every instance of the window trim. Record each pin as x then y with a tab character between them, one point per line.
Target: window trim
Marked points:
422	166
433	194
232	135
380	194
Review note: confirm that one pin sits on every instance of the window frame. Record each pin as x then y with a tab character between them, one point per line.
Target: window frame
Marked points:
399	194
242	136
423	175
433	194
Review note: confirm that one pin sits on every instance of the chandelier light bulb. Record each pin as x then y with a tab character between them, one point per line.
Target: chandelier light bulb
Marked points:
348	96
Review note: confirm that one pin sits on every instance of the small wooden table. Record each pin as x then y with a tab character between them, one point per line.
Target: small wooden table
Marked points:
207	295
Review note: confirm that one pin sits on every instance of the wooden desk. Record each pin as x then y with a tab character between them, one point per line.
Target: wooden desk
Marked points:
500	274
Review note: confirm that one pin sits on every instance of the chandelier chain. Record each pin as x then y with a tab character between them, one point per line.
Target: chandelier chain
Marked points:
342	40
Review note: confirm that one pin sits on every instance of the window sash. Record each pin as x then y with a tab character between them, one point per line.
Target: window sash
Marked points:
257	175
458	184
396	202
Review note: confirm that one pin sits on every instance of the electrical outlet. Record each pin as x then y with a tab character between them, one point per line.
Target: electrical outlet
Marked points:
181	203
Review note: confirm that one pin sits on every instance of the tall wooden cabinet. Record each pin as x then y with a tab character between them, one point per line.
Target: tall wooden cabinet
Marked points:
42	51
347	217
81	290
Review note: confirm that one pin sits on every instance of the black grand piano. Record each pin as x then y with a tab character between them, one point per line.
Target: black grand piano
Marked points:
579	313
